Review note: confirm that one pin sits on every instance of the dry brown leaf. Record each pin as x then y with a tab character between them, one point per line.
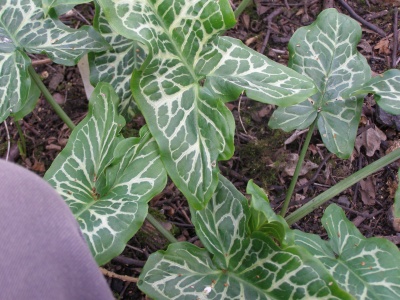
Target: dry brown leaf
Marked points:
246	20
363	44
38	167
383	46
395	221
261	9
291	161
371	139
367	190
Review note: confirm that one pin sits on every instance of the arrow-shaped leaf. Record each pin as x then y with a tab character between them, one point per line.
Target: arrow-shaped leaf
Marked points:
367	268
116	66
326	52
24	27
238	265
186	115
107	180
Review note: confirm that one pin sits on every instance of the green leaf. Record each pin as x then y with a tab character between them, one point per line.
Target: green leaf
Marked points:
326	51
107	180
29	106
238	265
49	4
188	75
116	66
264	219
386	88
367	268
15	81
23	27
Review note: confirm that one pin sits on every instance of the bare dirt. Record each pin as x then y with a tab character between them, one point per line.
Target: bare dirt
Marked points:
261	154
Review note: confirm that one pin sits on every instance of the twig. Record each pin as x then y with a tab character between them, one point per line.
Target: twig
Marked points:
287	4
80	15
238	176
49	98
395	38
312	180
128	261
117	276
8	140
39	62
355	16
272	15
240	118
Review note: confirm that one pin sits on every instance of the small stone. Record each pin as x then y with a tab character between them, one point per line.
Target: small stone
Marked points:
60	99
343	200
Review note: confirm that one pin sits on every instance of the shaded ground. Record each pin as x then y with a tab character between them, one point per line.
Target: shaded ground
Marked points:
261	154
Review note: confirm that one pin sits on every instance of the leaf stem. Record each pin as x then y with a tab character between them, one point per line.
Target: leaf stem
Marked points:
242	6
342	185
153	221
297	170
22	141
57	108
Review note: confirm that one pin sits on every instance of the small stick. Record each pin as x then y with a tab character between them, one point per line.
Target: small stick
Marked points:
272	15
8	140
129	261
239	106
121	277
395	38
355	16
41	62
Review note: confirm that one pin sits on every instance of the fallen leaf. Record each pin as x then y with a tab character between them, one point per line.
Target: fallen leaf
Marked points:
367	190
383	46
291	161
395	220
38	167
246	20
371	140
363	44
261	9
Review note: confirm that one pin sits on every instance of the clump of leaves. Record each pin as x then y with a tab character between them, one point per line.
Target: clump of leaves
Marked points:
183	72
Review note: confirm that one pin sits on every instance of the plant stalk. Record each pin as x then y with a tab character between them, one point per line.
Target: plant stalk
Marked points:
342	185
153	221
242	6
57	108
299	164
22	141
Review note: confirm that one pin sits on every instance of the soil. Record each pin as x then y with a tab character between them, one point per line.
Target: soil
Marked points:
261	154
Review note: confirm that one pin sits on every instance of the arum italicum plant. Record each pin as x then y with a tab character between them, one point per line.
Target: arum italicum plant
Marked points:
168	60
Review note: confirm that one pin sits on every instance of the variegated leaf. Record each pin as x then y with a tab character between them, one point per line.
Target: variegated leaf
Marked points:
23	27
326	51
179	87
107	180
239	265
116	66
366	268
386	88
15	81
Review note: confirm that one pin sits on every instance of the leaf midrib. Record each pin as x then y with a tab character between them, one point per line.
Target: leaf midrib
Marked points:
368	287
174	44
